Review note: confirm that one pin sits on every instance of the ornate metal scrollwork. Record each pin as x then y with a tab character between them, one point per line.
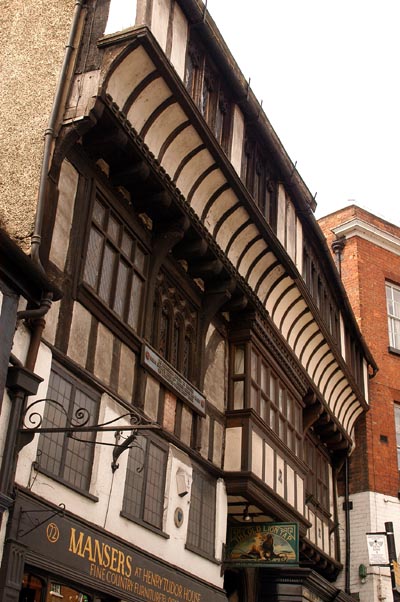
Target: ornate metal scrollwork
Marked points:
32	423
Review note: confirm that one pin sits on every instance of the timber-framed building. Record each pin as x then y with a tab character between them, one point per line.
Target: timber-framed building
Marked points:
200	313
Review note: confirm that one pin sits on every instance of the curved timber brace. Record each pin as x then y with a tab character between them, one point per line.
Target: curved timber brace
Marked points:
32	422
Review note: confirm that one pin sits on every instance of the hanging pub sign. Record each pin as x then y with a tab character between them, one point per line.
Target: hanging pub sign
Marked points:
263	544
173	380
377	549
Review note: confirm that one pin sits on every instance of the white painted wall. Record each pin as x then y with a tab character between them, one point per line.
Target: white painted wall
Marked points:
369	514
122	15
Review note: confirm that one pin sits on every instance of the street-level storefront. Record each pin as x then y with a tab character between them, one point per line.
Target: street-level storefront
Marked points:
52	555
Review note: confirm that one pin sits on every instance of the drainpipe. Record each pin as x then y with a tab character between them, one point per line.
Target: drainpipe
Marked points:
50	133
347	507
337	248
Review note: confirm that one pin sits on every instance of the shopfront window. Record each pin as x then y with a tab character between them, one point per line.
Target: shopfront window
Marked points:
40	589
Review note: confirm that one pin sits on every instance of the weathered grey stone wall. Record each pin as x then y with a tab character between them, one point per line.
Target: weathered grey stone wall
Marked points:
33	35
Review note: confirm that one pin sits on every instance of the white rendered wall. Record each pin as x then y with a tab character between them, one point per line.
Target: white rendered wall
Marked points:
369	514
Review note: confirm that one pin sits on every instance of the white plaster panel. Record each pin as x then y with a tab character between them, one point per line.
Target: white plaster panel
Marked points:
314	367
151	397
121	15
128	75
218	443
206	188
287	300
126	376
326	376
237	139
274	296
147	101
342	336
290	485
28	453
240	243
103	354
300	323
258	269
300	494
254	251
49	333
179	40
350	420
281	216
180	147
178	464
159	21
366	380
320	542
257	454
269	476
221	518
331	386
186	425
230	225
310	347
305	335
287	321
280	476
299	245
341	398
312	530
79	334
233	448
291	230
268	281
223	203
67	185
326	538
193	169
162	127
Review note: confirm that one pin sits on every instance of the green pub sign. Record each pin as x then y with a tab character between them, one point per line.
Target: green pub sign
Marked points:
263	544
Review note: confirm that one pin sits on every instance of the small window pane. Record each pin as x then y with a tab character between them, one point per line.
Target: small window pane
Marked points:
121	288
107	273
93	258
238	397
99	212
113	229
239	360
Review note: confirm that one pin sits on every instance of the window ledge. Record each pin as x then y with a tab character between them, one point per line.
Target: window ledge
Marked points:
86	494
394	350
200	552
142	523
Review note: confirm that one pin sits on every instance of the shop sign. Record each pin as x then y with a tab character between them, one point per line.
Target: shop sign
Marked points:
102	562
377	549
172	379
265	544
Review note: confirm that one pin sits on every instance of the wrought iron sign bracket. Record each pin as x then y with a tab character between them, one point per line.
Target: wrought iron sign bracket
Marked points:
78	423
36	523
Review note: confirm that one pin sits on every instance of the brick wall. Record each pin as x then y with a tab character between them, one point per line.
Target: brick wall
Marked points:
365	266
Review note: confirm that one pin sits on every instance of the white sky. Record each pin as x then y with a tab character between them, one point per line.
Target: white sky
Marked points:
327	72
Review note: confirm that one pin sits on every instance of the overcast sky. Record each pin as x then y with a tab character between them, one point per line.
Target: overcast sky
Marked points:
328	75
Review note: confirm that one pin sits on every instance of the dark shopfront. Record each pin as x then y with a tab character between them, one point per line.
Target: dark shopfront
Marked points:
51	556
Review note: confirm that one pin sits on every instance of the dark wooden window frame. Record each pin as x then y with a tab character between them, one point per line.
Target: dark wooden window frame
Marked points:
205	86
273	403
66	443
143	514
201	521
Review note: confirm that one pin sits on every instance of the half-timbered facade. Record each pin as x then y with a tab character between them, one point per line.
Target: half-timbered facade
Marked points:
201	314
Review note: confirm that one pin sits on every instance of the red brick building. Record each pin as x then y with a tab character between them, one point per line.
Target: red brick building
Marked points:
366	249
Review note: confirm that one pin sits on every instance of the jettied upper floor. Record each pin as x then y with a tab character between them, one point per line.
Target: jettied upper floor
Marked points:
134	105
